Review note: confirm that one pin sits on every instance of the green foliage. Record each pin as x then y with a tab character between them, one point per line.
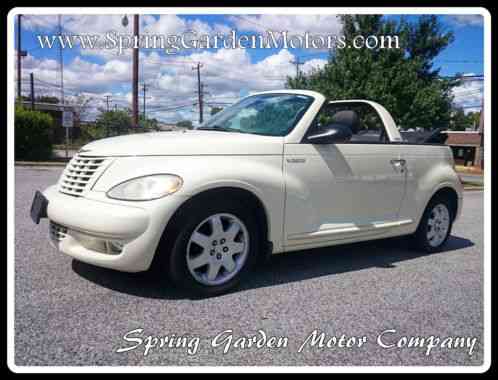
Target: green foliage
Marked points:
402	79
110	123
115	123
33	132
148	124
47	99
460	121
185	124
42	99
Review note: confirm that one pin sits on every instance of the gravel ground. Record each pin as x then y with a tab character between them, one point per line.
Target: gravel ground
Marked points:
70	313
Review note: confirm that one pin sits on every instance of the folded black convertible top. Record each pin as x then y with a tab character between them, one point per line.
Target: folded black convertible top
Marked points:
436	136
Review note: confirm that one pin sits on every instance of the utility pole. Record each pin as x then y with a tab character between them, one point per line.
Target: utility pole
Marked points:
32	83
297	62
135	73
61	66
144	90
19	57
107	100
481	132
20	54
199	90
61	62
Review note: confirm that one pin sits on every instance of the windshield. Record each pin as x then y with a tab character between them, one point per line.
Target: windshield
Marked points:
265	114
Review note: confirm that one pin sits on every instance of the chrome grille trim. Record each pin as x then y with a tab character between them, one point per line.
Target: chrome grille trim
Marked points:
79	174
57	232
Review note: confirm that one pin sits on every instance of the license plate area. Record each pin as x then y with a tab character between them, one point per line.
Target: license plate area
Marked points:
38	207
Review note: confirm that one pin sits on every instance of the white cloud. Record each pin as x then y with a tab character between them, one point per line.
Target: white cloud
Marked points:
294	24
227	74
39	22
102	24
171	81
314	64
469	93
466	20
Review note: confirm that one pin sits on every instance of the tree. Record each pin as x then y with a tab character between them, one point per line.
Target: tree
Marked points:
110	123
80	105
33	131
41	99
185	124
460	121
401	79
147	124
47	99
215	110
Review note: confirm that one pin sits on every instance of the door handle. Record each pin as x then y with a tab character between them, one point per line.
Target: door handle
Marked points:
398	161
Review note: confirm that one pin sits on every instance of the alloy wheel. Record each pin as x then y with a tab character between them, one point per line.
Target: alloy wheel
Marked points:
438	225
217	249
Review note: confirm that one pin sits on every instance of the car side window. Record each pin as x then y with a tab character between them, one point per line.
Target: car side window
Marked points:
363	120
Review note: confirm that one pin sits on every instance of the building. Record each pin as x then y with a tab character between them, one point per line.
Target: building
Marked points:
466	146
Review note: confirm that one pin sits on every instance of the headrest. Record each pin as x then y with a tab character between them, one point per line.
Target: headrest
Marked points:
348	118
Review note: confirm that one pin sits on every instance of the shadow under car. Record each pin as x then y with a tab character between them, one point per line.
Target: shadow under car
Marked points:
279	269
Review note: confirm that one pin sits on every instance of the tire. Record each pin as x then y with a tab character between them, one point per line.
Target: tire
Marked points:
437	214
191	256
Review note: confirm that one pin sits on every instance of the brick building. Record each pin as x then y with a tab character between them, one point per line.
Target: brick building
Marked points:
467	147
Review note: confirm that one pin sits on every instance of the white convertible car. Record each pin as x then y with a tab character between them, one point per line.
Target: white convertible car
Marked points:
279	171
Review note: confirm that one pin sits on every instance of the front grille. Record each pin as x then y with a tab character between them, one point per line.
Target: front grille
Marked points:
57	232
78	174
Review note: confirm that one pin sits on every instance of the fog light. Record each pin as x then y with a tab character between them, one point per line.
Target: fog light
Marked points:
116	246
93	243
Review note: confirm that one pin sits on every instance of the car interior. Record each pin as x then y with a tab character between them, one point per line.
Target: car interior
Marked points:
362	119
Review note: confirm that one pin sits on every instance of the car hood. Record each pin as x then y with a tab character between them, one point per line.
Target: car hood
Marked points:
182	143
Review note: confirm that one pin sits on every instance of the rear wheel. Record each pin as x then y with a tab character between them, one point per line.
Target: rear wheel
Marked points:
216	245
435	226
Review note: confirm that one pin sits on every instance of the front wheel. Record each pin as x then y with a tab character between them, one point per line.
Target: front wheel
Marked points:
215	247
435	226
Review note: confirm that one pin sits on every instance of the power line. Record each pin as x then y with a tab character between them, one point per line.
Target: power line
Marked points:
251	21
298	63
459	61
174	108
473	106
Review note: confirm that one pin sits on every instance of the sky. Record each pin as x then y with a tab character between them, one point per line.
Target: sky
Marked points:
227	74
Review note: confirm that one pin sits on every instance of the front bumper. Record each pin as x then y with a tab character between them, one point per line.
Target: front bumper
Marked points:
137	225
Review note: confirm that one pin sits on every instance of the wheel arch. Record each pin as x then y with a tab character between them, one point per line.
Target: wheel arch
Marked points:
445	190
239	193
449	193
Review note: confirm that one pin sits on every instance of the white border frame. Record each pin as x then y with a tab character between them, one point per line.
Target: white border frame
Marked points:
224	369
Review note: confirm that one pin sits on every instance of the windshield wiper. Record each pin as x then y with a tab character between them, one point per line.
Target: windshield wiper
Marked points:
221	129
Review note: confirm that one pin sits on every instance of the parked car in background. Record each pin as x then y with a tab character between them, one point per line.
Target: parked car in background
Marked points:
279	171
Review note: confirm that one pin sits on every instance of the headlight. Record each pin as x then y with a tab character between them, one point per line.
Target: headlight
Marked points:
146	188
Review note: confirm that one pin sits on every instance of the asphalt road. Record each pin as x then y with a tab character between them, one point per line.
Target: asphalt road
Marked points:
70	313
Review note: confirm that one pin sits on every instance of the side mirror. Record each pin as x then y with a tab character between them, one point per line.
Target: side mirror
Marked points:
334	133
